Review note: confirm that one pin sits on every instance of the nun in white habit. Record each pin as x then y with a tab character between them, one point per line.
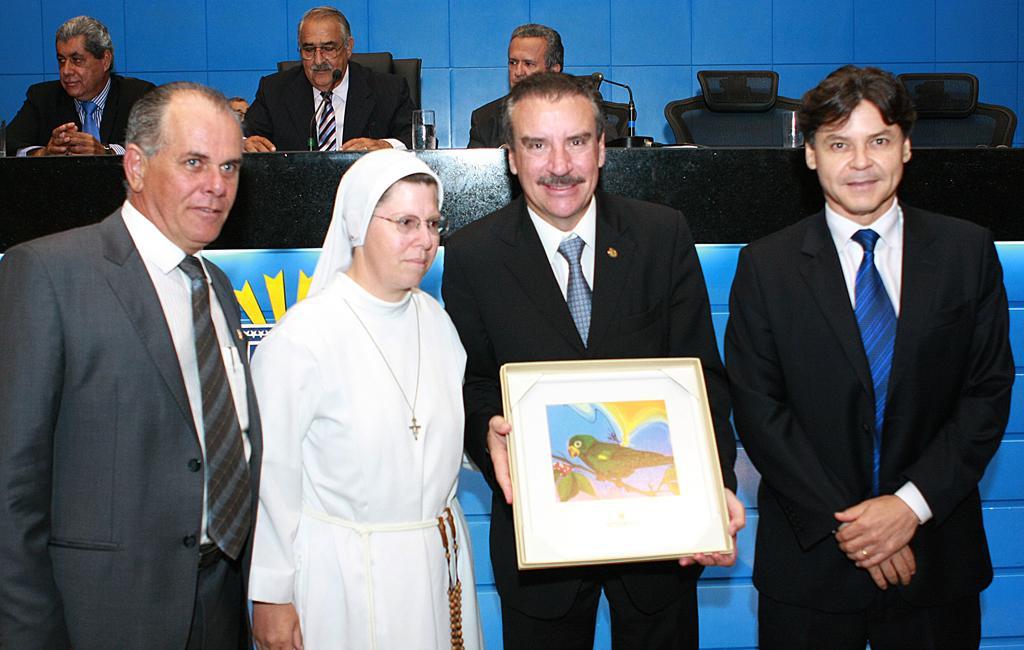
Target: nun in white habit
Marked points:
360	541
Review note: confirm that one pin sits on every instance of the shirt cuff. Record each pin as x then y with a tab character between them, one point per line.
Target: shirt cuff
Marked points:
27	150
118	149
397	144
915	501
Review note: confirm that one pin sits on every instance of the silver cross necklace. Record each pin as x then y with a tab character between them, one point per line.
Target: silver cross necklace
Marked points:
414	426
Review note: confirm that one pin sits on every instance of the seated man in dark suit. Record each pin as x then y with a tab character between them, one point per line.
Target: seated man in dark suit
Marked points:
86	111
533	48
330	103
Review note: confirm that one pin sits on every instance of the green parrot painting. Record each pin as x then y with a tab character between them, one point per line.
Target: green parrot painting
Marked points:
612	462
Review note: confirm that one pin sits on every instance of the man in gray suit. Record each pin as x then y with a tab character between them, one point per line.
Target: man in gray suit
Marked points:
129	437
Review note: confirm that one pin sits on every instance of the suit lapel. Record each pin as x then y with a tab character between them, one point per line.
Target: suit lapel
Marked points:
531	268
359	104
821	270
299	102
127	276
614	255
917	290
110	111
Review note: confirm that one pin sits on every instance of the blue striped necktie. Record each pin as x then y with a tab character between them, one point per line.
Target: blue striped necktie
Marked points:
578	294
877	321
89	124
227	482
326	135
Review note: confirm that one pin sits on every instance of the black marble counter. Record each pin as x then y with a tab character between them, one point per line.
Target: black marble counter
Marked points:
728	195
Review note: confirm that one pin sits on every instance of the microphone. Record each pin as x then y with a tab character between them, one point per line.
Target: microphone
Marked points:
335	78
631	140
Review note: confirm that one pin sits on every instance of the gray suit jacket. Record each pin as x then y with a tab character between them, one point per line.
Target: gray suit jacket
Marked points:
100	504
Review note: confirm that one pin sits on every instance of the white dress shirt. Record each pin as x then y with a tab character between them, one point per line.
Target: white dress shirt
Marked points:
551	238
889	262
339	99
162	257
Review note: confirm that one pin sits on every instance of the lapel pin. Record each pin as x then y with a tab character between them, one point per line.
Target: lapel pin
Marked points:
612	253
238	333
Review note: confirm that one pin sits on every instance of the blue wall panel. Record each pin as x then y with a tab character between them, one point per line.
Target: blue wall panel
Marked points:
436	94
480	31
231	39
406	29
981	30
585	27
23	43
881	30
236	83
646	34
1004	480
737	33
1006	548
809	31
149	46
472	87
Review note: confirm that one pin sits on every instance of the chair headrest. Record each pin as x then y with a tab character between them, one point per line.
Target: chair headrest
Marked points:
942	94
739	91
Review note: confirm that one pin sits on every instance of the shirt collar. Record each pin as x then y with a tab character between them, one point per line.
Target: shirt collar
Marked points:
100	100
154	247
889	226
551	237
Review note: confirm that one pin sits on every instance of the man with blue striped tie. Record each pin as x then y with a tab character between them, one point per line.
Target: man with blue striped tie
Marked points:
869	357
85	112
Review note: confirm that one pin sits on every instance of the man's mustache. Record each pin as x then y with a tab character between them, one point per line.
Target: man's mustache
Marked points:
564	180
321	67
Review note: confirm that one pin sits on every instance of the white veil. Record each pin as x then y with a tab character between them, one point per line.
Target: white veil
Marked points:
358	193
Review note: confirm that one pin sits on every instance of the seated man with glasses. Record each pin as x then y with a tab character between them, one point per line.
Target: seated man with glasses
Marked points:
329	103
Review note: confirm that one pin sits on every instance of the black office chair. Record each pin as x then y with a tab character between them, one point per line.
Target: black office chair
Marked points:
736	108
408	69
950	115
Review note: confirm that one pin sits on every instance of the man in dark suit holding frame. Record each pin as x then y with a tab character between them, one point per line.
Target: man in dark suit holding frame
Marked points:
868	352
630	272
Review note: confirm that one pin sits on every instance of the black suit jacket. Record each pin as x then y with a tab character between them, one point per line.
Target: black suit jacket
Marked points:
649	300
100	495
486	124
804	405
378	106
47	106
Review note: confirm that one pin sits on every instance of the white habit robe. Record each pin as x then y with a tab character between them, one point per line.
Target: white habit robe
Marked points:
349	499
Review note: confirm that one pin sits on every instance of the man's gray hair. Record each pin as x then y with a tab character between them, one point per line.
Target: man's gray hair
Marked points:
326	13
145	122
554	53
97	37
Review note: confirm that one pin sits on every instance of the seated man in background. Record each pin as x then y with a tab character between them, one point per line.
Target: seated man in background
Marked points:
239	106
533	48
330	103
86	111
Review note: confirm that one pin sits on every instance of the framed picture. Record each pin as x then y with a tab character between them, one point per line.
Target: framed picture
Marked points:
612	461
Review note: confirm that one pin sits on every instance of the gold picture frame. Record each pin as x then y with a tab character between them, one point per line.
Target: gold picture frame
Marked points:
612	461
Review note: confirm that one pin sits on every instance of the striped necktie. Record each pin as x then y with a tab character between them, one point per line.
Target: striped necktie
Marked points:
578	295
877	321
326	129
89	124
228	491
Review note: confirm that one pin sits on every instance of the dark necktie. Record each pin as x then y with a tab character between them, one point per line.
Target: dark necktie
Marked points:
228	491
326	129
89	121
877	321
578	294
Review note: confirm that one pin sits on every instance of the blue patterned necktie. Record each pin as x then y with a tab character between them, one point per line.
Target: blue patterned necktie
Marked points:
326	130
578	294
228	513
877	321
89	122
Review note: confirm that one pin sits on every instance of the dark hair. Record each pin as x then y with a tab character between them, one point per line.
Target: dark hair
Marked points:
146	119
554	53
97	37
832	100
552	86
